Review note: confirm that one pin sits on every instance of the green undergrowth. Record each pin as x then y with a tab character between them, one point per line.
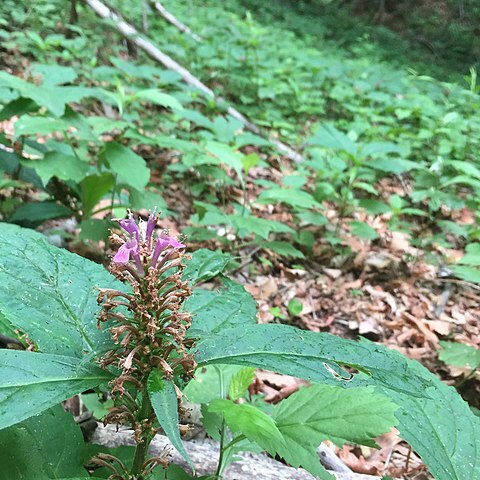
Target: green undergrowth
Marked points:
101	108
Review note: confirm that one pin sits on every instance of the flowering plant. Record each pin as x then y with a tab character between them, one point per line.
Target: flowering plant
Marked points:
159	335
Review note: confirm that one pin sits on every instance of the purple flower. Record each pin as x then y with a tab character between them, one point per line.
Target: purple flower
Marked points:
131	247
151	224
123	254
164	241
130	226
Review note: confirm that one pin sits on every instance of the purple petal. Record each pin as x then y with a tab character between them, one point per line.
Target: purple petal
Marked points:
160	245
123	254
173	242
130	226
151	224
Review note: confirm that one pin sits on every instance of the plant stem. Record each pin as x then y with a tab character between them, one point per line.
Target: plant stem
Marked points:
234	441
141	449
222	450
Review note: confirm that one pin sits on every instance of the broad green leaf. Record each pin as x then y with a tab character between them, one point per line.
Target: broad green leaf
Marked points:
472	257
379	148
363	230
468	168
432	417
374	207
240	383
393	165
470	274
262	227
228	156
54	74
32	382
159	98
140	199
52	97
130	168
6	328
205	264
18	107
56	164
459	355
163	398
48	446
210	383
214	311
95	229
356	415
282	248
35	213
248	420
50	293
303	354
98	408
329	137
293	197
94	188
321	412
28	125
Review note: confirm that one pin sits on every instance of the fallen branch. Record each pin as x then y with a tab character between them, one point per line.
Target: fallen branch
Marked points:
204	454
174	21
134	36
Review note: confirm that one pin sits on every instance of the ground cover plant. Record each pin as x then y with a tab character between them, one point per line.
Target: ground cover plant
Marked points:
374	232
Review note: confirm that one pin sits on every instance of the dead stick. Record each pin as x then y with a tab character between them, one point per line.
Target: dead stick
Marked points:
134	36
174	21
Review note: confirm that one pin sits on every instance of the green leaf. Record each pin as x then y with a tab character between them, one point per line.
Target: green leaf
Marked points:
95	229
356	415
228	156
262	227
451	440
302	354
208	383
205	264
240	383
98	408
294	198
295	307
159	98
18	107
94	188
56	164
375	207
459	355
468	168
379	148
215	311
329	137
45	447
282	248
472	256
54	74
28	125
248	420
50	293
32	382
393	165
165	404
363	230
35	213
130	168
470	274
140	199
